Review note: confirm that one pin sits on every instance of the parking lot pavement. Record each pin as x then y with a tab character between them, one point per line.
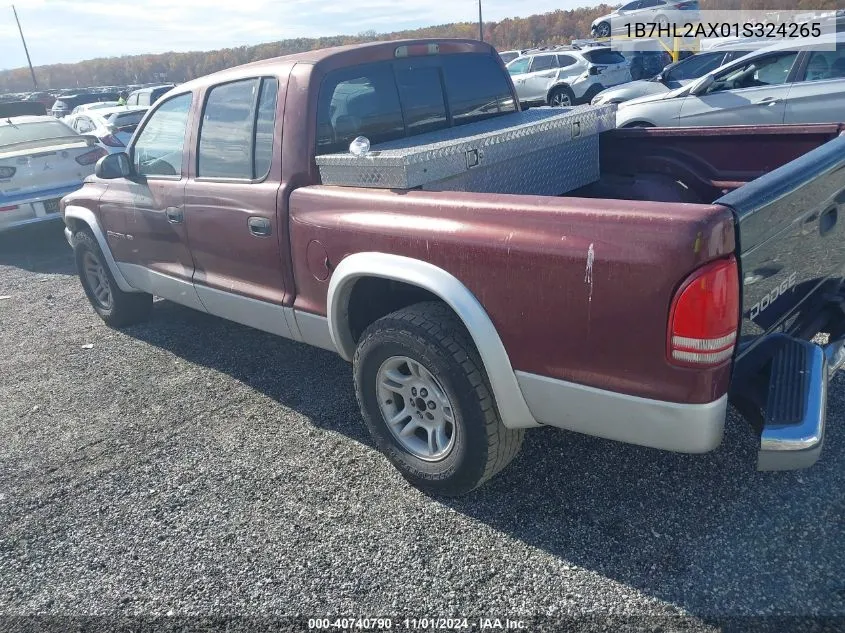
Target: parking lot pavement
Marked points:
193	466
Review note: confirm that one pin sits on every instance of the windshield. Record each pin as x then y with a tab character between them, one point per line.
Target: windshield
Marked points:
13	133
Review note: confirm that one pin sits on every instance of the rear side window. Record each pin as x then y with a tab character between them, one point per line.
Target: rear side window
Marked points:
238	116
564	61
390	100
604	56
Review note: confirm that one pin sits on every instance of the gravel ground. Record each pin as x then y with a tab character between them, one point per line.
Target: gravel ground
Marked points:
190	466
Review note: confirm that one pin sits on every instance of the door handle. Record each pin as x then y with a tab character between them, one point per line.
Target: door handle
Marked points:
769	101
259	226
174	215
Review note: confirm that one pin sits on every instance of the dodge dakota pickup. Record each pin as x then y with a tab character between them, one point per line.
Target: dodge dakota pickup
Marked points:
696	270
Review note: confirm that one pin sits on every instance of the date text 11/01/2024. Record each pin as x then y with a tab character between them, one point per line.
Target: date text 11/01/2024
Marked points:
416	624
724	29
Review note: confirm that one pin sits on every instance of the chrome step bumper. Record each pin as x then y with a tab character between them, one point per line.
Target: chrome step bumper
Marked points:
794	419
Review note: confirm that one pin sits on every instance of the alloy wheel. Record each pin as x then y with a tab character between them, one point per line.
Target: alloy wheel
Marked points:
416	408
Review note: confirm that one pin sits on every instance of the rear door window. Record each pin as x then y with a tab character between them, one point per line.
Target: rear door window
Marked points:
236	135
825	65
543	62
225	145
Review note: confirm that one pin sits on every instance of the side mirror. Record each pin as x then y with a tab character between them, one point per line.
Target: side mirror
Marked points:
113	166
704	85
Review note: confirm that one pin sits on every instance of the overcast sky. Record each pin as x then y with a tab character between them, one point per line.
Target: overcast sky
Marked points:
73	30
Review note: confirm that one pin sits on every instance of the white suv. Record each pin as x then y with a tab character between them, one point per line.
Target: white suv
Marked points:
566	76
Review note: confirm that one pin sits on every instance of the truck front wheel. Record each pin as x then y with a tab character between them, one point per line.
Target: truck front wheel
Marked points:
426	399
115	307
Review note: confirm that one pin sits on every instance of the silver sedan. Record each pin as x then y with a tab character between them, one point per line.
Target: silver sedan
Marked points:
790	82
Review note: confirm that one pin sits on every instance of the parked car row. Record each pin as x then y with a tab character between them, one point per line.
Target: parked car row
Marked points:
789	82
739	82
567	75
66	105
677	74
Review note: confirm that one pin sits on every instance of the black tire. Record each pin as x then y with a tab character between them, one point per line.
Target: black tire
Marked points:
431	334
602	29
638	124
559	96
122	308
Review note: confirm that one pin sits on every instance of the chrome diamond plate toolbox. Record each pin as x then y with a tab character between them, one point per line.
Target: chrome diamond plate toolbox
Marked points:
542	151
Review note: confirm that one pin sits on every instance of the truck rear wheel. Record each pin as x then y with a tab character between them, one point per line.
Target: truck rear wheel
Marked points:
426	399
115	307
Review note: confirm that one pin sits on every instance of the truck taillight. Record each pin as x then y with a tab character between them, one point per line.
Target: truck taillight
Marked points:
89	158
704	318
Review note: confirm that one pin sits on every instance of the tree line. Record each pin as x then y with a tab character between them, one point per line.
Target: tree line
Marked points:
556	27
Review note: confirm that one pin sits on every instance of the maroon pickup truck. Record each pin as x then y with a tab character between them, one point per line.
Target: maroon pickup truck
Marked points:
697	269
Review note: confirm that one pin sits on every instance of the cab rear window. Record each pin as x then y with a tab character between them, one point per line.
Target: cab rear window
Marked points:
391	100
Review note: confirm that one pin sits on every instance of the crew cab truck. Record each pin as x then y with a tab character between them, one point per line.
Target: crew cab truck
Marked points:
697	270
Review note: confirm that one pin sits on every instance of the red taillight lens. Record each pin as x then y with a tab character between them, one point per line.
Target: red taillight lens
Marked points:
704	318
12	207
89	158
112	141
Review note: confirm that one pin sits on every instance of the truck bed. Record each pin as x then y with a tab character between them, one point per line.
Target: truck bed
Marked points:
697	165
571	266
